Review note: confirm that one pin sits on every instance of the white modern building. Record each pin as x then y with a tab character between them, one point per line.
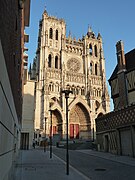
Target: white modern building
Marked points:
27	132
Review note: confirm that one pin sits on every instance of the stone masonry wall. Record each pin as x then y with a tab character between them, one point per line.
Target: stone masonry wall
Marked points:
10	35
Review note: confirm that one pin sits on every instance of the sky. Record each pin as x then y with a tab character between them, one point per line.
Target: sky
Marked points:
113	19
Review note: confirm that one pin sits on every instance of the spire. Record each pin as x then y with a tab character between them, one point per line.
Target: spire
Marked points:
45	11
89	29
69	35
99	37
90	33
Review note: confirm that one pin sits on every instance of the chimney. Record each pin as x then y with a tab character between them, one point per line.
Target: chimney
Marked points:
120	56
123	97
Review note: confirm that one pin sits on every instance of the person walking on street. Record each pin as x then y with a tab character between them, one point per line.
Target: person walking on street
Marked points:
34	143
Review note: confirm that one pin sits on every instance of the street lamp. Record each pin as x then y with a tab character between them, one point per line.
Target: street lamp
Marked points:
67	92
45	137
51	133
93	133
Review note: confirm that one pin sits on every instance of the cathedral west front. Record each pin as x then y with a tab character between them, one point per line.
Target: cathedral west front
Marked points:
64	63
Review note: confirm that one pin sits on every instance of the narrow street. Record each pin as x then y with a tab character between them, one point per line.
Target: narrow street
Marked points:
98	168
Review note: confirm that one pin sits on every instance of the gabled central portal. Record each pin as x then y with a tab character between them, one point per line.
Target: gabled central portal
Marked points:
79	121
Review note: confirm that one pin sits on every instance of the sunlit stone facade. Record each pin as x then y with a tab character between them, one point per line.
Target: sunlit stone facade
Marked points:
66	63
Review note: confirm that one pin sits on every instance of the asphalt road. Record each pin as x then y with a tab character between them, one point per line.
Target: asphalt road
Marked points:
97	168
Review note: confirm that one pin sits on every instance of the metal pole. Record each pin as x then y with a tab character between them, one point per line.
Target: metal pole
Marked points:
67	92
93	134
45	137
51	136
67	153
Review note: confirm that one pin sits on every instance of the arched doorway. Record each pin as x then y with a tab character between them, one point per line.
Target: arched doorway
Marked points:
56	123
100	114
79	122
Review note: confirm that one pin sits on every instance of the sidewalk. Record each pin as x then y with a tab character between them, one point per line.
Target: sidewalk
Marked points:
116	158
36	164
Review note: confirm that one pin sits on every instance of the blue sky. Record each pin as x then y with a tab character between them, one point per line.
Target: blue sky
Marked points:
113	19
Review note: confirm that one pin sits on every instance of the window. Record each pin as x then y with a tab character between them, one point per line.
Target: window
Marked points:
51	33
49	88
95	69
56	62
68	87
90	49
52	87
77	90
57	87
56	34
49	60
91	68
95	48
73	89
82	91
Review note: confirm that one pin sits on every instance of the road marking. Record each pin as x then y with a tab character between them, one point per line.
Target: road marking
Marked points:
78	172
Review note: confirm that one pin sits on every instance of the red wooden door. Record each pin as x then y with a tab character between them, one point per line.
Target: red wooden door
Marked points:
54	129
77	131
71	131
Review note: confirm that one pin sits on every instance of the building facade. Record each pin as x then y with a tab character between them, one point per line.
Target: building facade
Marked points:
11	69
66	63
27	131
122	79
116	130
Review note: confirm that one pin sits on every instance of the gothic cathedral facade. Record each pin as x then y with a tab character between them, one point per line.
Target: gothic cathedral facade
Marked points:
66	63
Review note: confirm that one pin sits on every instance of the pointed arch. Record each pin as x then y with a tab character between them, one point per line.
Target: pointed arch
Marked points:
78	90
56	87
57	123
68	87
79	100
49	60
56	37
51	33
51	86
90	49
82	91
100	110
95	49
79	122
54	97
57	107
91	68
56	62
96	69
100	114
73	89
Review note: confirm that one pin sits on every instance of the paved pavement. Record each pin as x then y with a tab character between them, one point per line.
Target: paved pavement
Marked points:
36	164
121	159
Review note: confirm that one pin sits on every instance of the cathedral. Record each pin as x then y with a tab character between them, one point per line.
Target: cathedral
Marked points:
64	63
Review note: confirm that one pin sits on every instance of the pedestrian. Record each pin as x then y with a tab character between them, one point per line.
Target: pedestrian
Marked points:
34	143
